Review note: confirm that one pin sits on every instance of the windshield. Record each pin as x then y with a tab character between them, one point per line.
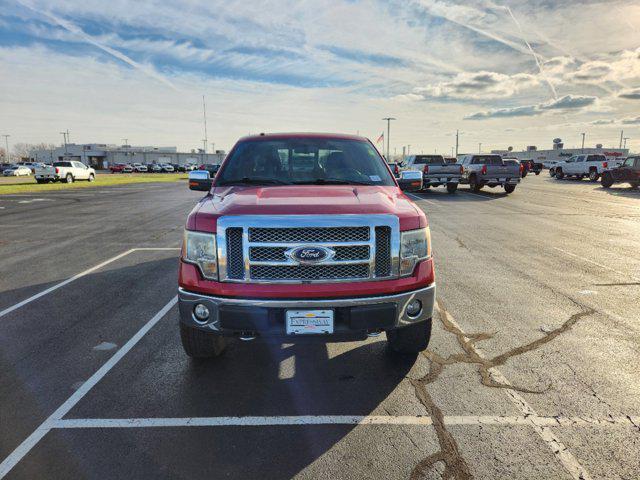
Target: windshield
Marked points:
298	161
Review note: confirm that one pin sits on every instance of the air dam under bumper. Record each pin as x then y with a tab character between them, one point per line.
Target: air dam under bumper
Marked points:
354	317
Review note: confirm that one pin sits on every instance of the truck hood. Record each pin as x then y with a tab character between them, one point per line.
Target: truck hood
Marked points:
305	200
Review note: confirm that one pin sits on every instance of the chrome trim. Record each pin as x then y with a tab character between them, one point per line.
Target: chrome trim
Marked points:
426	295
311	221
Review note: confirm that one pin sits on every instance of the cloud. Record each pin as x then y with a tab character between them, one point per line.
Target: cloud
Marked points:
477	85
565	103
630	94
631	121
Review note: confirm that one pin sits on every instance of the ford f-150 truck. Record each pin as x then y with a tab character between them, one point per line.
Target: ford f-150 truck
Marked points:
66	171
305	237
489	170
436	171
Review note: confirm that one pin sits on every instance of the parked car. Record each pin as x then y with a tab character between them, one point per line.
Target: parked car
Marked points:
211	168
436	171
139	168
121	168
178	168
489	170
395	168
189	167
5	166
31	165
305	237
581	166
17	171
66	171
628	172
154	168
166	167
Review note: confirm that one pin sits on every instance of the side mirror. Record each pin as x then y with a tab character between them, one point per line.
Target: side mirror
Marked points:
410	180
200	180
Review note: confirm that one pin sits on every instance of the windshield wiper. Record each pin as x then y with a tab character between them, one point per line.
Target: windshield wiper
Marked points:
253	181
331	181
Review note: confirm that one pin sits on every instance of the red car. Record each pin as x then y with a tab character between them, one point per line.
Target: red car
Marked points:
306	237
121	168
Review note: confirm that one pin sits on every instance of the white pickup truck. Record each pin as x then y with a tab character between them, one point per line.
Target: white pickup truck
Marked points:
65	171
581	166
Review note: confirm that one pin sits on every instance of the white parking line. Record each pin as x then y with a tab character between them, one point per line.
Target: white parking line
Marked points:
32	440
561	452
637	279
255	421
76	277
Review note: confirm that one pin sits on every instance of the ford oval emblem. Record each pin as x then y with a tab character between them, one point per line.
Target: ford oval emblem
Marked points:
310	254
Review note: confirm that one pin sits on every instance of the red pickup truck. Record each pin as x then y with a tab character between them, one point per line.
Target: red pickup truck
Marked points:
306	237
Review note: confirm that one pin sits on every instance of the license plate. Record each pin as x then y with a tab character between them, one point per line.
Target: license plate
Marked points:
513	180
502	179
443	180
306	322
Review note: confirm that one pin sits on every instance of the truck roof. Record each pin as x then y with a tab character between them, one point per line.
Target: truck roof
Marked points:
285	135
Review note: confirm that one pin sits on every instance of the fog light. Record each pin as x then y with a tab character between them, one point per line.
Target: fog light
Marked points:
201	312
414	307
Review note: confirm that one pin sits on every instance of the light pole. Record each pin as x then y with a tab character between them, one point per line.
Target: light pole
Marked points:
480	147
583	135
388	120
624	145
126	142
6	142
457	137
452	151
64	136
408	149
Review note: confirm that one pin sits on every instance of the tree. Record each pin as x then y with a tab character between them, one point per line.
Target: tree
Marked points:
3	155
24	150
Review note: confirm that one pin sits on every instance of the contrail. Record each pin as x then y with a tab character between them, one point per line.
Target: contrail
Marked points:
535	56
72	28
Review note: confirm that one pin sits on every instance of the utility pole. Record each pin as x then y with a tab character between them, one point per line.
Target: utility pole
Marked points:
388	120
583	135
126	142
457	136
64	135
204	114
452	151
213	147
621	134
480	147
624	145
408	149
6	143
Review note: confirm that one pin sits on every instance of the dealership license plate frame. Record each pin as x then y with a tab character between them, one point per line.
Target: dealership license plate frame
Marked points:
309	322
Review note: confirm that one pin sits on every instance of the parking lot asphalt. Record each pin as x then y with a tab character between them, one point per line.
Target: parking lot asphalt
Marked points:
532	370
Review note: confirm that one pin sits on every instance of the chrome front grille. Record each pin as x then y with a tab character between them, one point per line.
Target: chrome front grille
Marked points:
258	248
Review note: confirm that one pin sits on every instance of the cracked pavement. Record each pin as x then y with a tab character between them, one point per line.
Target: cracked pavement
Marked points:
532	370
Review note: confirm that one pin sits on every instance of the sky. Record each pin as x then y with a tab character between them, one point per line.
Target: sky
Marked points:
504	74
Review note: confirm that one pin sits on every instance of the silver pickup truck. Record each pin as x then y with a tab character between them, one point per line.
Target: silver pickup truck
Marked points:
436	170
489	170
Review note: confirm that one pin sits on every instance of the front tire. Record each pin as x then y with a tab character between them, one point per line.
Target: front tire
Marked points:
199	344
559	174
593	176
91	178
607	180
552	172
474	184
538	172
509	188
452	187
410	340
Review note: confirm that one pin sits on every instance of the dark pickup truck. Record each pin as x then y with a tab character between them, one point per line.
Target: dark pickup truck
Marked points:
628	172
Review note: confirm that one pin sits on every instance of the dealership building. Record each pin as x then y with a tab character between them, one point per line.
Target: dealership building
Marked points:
102	156
558	153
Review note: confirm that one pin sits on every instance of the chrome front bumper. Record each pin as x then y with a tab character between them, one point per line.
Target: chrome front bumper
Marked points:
269	315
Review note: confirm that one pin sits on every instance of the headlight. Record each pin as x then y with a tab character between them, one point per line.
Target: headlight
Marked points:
415	245
200	249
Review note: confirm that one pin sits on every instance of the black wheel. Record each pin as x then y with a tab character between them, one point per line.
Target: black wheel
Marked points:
410	340
524	173
452	187
538	172
593	176
41	180
607	180
474	184
91	178
634	184
68	178
426	185
559	174
509	188
552	172
199	344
